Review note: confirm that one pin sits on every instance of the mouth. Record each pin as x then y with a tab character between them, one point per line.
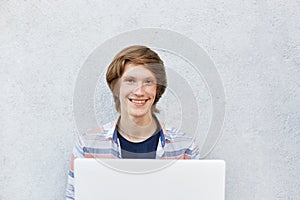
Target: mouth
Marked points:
138	102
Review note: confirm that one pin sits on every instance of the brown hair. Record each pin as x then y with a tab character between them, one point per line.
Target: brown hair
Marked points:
137	55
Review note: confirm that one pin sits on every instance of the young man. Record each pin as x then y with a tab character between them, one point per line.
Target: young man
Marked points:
137	79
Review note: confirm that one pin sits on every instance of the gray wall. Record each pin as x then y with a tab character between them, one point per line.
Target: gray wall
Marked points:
255	46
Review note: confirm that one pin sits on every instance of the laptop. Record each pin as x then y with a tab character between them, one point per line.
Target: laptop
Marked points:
149	179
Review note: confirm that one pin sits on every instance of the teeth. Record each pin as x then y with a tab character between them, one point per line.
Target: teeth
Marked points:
138	101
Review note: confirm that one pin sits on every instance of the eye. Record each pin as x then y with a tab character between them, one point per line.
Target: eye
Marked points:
129	80
149	82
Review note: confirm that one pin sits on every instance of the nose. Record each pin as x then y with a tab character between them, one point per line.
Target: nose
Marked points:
139	90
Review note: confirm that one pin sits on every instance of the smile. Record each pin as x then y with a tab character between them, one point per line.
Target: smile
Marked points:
138	101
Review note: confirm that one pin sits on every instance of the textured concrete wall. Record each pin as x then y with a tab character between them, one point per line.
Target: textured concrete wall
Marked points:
255	46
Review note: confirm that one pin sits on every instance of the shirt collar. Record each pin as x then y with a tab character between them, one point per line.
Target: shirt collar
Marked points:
113	132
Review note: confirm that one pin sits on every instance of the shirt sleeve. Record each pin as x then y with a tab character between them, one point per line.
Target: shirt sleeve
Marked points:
77	153
193	152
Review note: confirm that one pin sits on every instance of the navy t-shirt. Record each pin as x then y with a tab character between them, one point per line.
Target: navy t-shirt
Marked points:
143	150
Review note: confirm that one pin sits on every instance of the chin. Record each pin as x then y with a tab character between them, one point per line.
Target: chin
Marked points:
139	113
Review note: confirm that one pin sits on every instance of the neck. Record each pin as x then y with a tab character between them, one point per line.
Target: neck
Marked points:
137	129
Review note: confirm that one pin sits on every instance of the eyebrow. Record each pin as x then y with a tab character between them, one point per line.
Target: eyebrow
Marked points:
128	77
149	77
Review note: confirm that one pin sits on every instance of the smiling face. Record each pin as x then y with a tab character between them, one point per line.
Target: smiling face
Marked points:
137	91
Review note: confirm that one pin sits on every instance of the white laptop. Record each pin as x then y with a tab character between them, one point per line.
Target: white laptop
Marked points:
148	179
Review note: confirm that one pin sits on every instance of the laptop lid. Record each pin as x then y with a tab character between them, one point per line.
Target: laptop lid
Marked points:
147	179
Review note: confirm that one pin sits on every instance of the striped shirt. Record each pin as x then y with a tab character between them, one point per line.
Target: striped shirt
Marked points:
103	142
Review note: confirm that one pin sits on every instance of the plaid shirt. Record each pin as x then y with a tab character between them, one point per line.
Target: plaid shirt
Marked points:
103	142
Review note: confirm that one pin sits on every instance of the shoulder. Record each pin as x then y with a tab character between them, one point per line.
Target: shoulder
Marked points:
101	133
101	130
175	135
180	144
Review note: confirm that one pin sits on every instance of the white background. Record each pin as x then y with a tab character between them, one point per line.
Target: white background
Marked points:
255	46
